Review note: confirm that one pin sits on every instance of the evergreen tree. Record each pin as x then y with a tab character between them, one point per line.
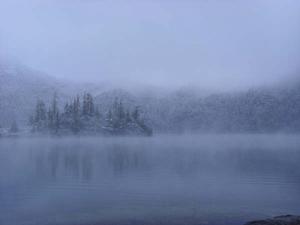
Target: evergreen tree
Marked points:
136	117
56	122
66	116
85	105
88	108
136	114
39	120
54	116
50	119
76	123
118	117
109	120
97	121
90	105
85	117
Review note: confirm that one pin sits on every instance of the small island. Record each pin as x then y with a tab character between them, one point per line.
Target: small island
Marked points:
82	116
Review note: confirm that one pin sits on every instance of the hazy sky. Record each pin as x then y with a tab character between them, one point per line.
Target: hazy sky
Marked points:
210	43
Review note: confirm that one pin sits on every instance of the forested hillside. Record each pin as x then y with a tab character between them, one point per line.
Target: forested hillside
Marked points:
256	110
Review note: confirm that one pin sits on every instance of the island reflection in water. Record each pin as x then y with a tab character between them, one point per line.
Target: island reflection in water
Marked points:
208	179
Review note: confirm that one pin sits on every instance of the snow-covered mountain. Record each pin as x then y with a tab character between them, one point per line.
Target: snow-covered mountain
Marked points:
256	110
20	87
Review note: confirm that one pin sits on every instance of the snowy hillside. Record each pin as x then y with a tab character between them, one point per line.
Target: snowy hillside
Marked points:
20	87
256	110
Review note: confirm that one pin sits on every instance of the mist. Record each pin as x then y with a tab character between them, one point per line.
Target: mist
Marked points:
163	180
152	112
226	45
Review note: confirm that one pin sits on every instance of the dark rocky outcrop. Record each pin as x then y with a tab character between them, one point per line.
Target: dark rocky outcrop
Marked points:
280	220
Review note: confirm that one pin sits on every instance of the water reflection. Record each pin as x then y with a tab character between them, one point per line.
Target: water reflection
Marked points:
90	161
210	179
82	163
56	162
122	159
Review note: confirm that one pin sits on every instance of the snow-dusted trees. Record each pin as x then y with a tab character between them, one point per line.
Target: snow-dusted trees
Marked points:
75	115
88	108
38	121
44	120
253	111
119	120
84	117
256	110
54	116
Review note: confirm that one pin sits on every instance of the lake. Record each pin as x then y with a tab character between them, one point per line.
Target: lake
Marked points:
187	179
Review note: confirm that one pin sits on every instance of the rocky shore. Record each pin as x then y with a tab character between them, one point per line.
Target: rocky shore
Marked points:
279	220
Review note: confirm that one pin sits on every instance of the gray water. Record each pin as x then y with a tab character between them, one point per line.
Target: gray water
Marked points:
195	179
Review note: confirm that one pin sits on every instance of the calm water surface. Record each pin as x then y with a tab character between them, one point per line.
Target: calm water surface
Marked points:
196	179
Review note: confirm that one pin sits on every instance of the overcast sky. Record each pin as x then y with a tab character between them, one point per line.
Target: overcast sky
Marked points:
210	43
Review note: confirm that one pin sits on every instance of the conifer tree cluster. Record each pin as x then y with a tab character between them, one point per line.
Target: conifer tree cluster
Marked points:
82	116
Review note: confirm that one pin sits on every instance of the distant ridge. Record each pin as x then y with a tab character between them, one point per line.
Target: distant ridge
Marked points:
262	109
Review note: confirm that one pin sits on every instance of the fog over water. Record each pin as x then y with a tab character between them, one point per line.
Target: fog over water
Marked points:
152	112
211	44
208	179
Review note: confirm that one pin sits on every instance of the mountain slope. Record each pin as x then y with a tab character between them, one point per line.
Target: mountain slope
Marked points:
20	87
256	110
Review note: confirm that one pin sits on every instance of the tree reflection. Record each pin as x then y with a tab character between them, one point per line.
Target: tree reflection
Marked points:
123	159
55	163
